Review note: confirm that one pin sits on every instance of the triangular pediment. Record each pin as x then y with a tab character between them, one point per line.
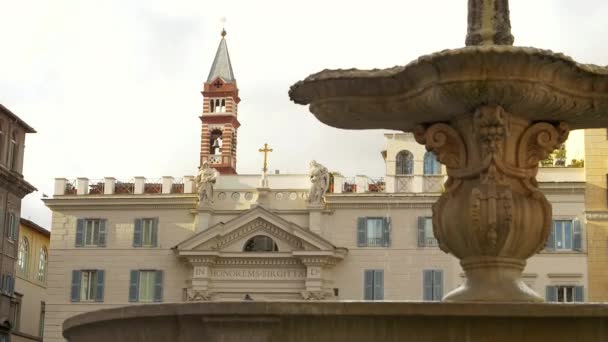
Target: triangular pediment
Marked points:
232	235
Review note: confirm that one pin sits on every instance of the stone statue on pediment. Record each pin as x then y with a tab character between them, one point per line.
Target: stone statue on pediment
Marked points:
205	180
319	177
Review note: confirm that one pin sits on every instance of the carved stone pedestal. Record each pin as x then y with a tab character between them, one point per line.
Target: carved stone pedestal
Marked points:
492	215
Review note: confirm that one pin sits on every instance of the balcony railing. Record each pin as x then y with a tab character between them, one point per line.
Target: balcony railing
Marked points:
124	187
375	242
70	187
404	183
349	185
153	186
432	183
376	185
178	186
96	187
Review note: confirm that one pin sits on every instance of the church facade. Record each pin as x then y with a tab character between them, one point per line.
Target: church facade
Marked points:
224	236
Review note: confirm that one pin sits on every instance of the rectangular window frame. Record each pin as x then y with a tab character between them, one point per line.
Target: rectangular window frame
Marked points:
432	285
373	284
154	287
381	240
566	235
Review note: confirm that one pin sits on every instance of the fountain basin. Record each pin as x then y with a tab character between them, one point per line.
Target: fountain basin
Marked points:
342	321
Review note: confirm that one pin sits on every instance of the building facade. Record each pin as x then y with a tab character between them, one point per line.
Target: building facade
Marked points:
596	203
13	187
30	284
116	243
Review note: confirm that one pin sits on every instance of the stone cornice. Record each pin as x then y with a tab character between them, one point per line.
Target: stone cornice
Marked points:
14	182
123	202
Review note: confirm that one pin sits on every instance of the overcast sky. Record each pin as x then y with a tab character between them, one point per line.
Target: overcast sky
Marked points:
113	87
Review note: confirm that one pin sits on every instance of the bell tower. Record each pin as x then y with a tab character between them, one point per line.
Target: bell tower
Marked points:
220	108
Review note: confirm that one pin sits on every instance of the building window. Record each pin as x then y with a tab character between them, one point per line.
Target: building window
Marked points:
426	237
373	232
13	227
2	139
42	315
217	105
373	285
566	235
13	152
565	294
146	286
260	243
432	286
431	164
42	265
15	311
8	284
404	163
88	285
90	233
23	257
145	232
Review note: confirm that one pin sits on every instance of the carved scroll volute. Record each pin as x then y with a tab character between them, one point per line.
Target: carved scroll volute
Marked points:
538	141
445	142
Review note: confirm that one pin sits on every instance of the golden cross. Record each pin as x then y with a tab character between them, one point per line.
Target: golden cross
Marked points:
265	150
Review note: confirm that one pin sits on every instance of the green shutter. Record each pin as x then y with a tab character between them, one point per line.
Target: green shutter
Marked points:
421	233
155	232
427	285
99	286
138	233
102	233
550	245
579	294
386	231
361	231
79	232
368	285
134	286
378	284
75	294
158	287
437	284
577	243
551	294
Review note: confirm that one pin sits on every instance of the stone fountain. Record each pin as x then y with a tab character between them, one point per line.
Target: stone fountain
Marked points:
490	111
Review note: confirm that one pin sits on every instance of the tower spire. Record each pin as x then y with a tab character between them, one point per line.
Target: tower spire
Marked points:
221	66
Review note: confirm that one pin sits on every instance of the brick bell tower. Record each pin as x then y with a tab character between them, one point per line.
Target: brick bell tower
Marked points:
219	119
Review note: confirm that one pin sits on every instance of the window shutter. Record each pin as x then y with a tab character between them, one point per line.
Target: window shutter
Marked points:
368	285
134	287
79	232
386	231
102	233
437	284
75	296
361	231
579	294
550	246
421	234
551	294
379	285
577	243
427	285
137	233
99	286
158	287
155	233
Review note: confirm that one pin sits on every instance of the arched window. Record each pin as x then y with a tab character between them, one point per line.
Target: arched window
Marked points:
13	153
405	163
215	142
260	243
23	256
42	265
431	164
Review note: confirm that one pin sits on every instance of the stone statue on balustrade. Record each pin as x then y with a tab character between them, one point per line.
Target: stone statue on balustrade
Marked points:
319	177
205	180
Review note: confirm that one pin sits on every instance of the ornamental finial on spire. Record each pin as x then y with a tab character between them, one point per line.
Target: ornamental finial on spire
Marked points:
223	20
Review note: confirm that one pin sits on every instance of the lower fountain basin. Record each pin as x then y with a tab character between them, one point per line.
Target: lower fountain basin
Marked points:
342	321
